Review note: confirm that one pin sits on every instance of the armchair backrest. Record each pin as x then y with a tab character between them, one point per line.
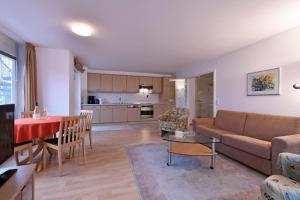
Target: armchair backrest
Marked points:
290	165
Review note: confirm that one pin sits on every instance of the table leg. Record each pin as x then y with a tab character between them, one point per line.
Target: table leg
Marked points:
213	158
169	163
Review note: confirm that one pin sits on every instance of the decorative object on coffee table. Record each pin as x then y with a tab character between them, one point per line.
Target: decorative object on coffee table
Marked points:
265	82
191	145
174	119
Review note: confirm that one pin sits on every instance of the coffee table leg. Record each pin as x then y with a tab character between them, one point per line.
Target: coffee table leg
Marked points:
169	155
213	158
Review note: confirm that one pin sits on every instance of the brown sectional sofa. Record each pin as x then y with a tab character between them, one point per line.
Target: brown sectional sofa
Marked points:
252	139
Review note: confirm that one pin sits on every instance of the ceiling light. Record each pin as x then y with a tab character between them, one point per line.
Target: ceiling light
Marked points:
82	29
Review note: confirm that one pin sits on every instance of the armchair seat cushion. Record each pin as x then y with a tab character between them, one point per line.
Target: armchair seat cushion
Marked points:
280	187
250	145
212	131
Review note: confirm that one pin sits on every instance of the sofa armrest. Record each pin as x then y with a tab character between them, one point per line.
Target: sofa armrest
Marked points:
289	143
207	121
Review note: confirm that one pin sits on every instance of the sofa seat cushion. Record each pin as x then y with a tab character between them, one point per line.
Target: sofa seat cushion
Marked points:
212	131
250	145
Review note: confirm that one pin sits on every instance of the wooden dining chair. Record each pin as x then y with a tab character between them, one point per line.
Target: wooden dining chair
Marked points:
71	132
89	118
20	148
27	114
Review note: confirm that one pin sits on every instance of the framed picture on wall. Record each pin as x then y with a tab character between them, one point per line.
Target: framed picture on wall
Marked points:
265	82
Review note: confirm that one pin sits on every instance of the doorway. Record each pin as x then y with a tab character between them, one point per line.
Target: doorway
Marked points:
204	95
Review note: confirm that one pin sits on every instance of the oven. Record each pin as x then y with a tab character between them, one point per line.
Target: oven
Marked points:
147	111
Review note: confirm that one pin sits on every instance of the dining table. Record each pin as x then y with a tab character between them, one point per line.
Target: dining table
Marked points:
29	129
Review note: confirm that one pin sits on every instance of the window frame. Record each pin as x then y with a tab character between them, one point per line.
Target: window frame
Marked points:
14	86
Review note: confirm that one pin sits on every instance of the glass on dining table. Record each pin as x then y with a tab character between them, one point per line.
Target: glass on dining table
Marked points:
44	113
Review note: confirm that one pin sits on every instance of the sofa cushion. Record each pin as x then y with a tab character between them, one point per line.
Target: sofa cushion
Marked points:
231	121
250	145
212	131
266	127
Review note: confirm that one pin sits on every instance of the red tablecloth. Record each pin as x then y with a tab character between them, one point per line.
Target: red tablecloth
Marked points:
27	129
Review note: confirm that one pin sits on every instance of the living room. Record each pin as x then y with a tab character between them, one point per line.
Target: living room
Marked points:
163	99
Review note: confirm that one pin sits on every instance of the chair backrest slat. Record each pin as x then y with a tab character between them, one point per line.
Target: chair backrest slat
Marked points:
71	130
89	117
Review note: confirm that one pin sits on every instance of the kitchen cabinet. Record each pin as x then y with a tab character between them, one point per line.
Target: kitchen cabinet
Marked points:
160	109
106	114
106	83
119	114
133	114
168	81
167	95
93	82
132	83
156	84
144	80
119	83
96	113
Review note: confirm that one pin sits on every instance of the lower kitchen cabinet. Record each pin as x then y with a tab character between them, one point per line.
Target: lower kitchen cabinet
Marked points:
106	114
96	113
133	114
119	114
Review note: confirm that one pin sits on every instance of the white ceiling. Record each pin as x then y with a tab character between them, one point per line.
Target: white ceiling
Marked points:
158	36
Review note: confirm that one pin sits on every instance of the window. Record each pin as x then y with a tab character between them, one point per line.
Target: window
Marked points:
7	78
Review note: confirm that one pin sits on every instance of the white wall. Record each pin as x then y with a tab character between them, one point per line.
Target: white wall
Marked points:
180	93
74	88
191	88
282	50
53	80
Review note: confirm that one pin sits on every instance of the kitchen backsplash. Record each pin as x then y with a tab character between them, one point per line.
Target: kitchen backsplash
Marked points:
127	97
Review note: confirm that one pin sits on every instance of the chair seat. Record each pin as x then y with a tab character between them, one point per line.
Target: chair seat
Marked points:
250	145
53	141
280	187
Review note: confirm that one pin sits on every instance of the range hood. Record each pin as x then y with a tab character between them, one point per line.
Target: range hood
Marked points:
145	88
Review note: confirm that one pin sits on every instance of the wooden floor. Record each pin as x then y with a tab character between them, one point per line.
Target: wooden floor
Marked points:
107	174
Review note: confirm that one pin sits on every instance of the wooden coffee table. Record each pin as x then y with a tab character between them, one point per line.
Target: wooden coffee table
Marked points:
191	145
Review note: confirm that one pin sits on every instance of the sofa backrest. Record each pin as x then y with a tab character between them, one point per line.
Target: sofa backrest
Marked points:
231	121
266	127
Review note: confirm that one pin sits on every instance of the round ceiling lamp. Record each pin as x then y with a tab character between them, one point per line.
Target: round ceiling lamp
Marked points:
81	29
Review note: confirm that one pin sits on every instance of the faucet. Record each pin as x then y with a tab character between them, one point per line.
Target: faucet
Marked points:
120	100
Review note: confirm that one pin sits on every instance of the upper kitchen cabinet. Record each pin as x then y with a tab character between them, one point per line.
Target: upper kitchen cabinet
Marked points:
144	80
156	84
132	84
168	82
119	83
106	83
167	95
93	82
